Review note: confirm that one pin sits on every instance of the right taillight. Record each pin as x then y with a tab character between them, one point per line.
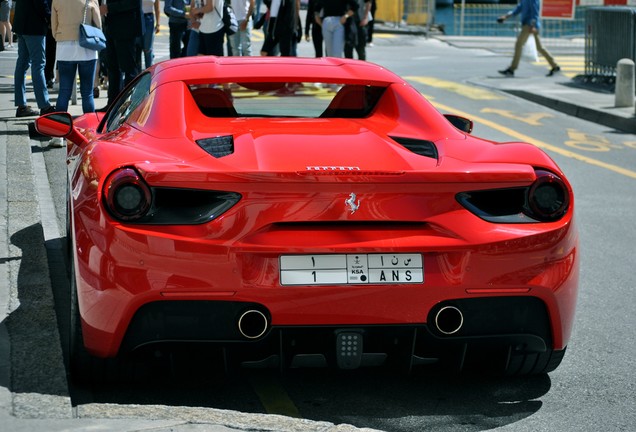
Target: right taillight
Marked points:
547	199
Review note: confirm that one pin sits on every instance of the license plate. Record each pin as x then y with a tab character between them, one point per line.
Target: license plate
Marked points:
355	269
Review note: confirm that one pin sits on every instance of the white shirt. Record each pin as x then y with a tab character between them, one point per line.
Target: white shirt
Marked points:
72	51
212	21
241	7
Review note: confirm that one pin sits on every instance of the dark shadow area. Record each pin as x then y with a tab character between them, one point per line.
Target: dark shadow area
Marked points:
32	327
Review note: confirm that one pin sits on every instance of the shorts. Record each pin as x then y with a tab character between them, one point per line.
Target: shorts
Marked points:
5	10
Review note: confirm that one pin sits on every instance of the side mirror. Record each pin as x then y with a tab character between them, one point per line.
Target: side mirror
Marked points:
58	124
461	123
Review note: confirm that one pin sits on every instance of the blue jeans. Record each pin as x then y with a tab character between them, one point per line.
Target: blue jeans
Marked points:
148	39
334	34
193	43
31	52
67	70
241	41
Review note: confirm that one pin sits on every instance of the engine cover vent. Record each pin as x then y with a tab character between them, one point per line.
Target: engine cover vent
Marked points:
418	146
218	146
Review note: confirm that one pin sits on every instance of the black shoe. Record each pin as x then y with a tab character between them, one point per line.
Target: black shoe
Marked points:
49	84
47	110
26	111
554	70
507	72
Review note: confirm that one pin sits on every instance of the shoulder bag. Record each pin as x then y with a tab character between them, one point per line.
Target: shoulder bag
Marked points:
89	36
230	23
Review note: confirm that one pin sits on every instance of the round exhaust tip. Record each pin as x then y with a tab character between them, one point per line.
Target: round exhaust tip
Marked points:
449	320
252	324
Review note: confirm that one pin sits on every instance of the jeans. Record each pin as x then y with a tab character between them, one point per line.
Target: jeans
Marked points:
31	52
148	39
67	71
241	41
334	34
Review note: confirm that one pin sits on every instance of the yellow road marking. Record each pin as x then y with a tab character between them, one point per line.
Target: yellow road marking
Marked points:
530	118
543	145
272	395
462	89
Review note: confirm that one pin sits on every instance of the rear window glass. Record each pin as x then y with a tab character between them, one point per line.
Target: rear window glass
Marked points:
291	99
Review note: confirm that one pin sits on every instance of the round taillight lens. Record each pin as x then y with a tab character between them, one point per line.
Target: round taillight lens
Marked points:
548	197
127	196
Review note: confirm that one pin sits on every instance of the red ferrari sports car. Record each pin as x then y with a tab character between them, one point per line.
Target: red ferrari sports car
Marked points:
312	212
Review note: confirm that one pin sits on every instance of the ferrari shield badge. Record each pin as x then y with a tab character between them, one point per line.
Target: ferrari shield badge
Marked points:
351	203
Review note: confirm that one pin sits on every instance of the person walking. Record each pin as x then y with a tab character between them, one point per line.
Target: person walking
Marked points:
282	27
66	17
332	15
30	23
152	13
211	32
313	28
178	23
240	42
124	25
5	24
357	37
530	25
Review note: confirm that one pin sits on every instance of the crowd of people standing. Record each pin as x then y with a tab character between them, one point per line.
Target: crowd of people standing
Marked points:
48	39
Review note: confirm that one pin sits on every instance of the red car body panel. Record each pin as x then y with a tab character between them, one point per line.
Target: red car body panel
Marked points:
294	176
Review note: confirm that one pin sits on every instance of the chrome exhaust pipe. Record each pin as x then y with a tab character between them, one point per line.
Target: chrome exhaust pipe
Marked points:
449	320
252	324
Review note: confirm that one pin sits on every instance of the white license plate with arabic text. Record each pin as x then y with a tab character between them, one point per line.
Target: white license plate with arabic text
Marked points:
351	269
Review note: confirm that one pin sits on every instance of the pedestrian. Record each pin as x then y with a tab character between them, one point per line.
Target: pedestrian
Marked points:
50	69
178	23
240	42
30	23
282	27
66	17
5	24
211	31
370	26
332	15
313	28
124	25
193	28
152	11
357	37
530	25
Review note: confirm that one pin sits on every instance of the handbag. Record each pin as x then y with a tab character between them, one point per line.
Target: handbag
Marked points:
91	37
529	50
230	23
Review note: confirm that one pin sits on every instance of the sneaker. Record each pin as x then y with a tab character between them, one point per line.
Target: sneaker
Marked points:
57	142
47	110
26	111
554	70
507	72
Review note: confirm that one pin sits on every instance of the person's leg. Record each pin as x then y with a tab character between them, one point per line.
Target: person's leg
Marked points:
338	40
175	40
86	74
49	68
246	40
114	70
328	35
126	59
361	47
316	37
234	43
545	53
66	70
193	43
37	55
148	40
521	40
19	77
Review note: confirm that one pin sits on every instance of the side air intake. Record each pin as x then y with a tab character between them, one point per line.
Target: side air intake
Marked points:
418	146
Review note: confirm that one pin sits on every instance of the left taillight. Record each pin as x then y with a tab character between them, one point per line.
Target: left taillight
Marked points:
126	196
